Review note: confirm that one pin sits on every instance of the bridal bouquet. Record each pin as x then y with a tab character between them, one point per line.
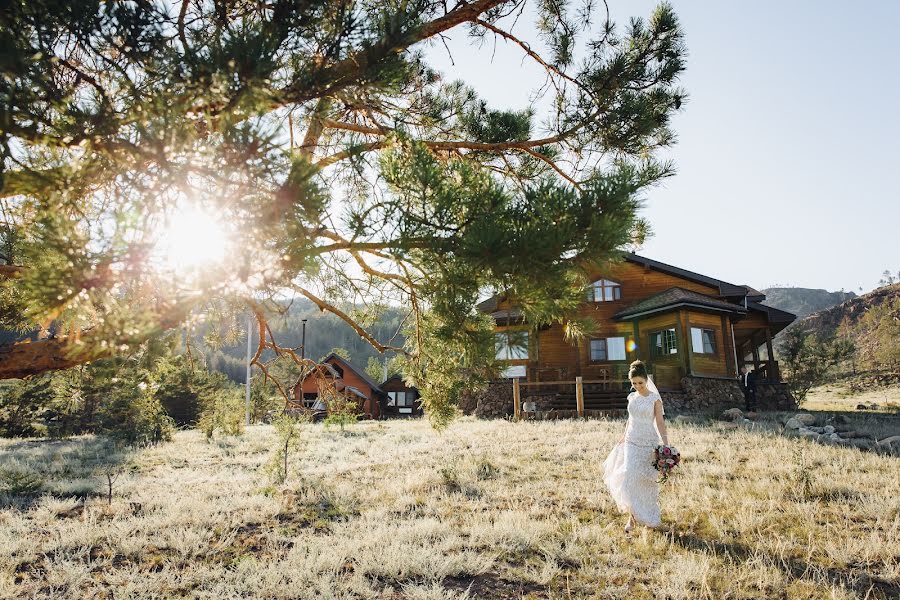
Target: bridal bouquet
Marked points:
665	458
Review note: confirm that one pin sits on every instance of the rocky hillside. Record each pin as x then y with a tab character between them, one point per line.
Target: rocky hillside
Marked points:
826	322
804	301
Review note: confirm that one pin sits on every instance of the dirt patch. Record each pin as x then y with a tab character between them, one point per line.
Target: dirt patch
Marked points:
492	585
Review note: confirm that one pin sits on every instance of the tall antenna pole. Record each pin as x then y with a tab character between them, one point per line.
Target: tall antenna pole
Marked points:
247	380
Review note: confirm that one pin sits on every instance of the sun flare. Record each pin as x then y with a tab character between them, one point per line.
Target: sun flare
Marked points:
192	238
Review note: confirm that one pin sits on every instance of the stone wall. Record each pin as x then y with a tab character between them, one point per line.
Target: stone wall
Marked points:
699	394
704	394
495	400
774	396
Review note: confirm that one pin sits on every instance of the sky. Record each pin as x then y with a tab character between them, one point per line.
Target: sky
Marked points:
788	146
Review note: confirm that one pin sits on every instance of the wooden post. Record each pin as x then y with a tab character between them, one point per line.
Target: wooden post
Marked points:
771	369
754	348
579	396
517	404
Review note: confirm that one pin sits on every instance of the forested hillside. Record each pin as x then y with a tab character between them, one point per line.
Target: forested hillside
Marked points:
324	332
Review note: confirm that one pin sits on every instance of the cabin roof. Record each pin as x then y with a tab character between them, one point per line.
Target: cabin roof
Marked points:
399	377
726	290
375	387
361	374
355	391
676	297
775	315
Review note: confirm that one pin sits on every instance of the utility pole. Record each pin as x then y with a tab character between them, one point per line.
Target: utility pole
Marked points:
303	340
249	356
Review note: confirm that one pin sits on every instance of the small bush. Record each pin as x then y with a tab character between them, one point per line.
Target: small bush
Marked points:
135	417
287	428
20	483
223	412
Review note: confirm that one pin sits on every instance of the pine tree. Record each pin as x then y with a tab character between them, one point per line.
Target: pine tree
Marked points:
352	172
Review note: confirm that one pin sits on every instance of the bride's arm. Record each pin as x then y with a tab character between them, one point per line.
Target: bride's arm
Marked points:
660	422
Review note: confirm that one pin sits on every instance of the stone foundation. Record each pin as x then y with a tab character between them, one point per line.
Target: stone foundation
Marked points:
495	400
705	394
699	394
774	396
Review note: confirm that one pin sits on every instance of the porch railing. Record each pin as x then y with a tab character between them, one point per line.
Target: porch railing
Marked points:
613	391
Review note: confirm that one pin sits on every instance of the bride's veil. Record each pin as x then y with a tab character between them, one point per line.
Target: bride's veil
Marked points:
652	386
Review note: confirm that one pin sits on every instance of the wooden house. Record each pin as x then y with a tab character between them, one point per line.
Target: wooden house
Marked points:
400	399
346	380
679	322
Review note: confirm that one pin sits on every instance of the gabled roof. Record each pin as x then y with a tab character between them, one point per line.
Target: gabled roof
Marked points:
676	297
400	377
775	315
346	365
362	375
726	290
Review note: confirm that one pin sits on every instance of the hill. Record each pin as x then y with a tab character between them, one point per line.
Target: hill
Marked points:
804	301
827	322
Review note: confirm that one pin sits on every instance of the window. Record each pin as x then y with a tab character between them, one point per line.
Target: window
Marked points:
511	345
400	399
703	341
663	343
612	348
604	290
513	371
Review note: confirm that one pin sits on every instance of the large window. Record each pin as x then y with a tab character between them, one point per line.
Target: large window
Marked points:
604	290
604	349
400	399
703	341
511	345
664	343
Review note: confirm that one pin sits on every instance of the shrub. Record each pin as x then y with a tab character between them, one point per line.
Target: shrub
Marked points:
17	482
225	412
287	428
135	417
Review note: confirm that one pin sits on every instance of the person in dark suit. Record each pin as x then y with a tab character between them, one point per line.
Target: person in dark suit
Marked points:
748	386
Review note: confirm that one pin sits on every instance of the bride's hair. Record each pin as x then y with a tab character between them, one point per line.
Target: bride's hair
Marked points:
638	369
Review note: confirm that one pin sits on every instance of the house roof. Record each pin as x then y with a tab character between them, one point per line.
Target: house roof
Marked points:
361	374
375	387
775	315
726	290
400	377
676	297
355	391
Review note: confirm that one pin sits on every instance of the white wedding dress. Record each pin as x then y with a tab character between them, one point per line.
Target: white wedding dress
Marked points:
628	470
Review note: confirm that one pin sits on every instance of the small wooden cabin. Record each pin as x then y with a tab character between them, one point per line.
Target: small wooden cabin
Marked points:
347	380
401	399
679	322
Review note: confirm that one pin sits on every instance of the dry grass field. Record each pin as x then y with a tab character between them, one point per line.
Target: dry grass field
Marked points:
839	396
483	510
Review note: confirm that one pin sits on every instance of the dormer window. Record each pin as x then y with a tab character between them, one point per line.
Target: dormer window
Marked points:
604	290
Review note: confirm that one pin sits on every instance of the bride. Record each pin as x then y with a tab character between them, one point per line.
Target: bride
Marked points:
628	470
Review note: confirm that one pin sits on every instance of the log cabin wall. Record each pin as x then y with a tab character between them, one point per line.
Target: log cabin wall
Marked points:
548	348
396	384
716	364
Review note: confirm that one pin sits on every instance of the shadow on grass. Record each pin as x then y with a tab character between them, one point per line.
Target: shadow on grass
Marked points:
855	577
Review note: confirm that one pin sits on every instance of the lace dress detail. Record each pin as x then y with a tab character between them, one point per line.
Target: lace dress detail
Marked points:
628	470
